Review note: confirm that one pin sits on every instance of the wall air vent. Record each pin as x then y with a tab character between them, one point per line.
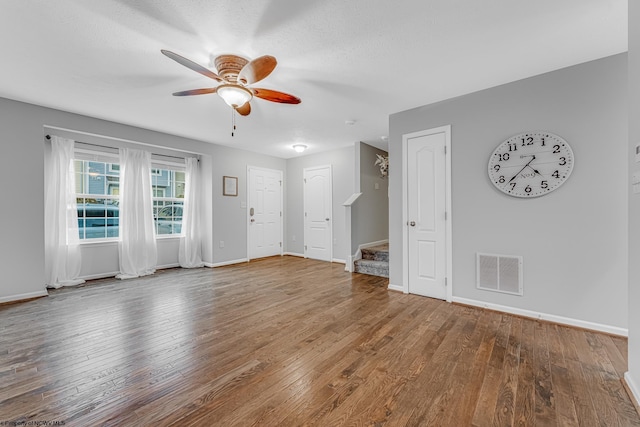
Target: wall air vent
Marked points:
499	273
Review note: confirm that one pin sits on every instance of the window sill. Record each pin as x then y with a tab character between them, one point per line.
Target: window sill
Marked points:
99	242
110	242
168	236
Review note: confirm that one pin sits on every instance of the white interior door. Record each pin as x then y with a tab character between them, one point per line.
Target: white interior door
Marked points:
318	213
264	212
426	212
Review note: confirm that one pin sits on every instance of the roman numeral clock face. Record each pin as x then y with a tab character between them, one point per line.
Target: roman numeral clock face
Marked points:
531	164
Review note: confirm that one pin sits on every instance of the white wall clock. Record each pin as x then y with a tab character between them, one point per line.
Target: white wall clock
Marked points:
531	164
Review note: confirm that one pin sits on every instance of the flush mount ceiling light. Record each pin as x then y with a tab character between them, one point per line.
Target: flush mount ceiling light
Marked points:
299	148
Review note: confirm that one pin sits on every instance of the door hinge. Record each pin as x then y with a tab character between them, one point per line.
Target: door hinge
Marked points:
280	244
446	282
445	149
280	213
305	180
280	183
305	214
305	247
445	215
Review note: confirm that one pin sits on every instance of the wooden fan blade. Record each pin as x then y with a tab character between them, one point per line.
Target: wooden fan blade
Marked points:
244	110
275	96
257	69
192	65
196	92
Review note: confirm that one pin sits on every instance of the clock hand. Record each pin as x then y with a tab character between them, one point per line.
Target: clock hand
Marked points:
536	171
523	168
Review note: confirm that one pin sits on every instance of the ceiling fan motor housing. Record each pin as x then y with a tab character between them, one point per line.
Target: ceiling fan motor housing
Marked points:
229	67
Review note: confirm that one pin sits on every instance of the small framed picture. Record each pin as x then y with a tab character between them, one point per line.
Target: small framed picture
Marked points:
229	185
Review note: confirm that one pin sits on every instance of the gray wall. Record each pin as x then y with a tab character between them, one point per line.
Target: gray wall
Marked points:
342	161
21	169
574	240
370	213
229	216
634	199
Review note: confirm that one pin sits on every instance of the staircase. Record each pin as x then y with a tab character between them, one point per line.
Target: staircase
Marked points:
375	261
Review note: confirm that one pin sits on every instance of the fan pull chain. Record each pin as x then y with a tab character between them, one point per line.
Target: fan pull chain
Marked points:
233	122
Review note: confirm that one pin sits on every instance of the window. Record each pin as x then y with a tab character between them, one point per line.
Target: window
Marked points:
98	192
97	196
168	200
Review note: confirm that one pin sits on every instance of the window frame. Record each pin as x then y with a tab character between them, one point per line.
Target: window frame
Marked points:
111	159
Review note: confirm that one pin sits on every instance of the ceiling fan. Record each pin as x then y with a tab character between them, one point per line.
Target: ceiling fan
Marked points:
236	76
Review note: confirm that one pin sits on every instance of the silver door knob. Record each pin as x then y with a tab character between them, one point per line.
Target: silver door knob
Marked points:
412	223
326	219
253	220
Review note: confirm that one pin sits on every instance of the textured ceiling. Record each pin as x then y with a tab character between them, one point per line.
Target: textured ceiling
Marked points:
357	60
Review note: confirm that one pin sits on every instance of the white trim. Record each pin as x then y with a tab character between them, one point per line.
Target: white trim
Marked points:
614	330
99	275
397	288
20	297
115	273
233	261
405	198
633	388
349	265
248	192
108	241
338	261
294	254
172	265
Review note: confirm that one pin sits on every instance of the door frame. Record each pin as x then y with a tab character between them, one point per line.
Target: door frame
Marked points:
248	217
304	205
405	202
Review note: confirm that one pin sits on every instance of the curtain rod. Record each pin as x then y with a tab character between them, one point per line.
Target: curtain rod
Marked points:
114	148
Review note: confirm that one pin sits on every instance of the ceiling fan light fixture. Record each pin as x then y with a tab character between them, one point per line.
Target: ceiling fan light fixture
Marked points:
299	148
235	96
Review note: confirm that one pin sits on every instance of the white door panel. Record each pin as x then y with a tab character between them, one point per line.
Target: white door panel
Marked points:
426	215
318	211
265	214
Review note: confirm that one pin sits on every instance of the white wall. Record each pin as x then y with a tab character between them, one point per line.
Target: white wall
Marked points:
22	130
370	213
342	161
574	240
633	376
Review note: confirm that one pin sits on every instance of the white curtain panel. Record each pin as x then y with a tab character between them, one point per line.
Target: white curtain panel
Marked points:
190	251
62	248
137	245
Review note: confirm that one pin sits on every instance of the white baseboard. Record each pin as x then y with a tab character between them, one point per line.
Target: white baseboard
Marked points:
115	273
100	275
20	297
614	330
294	254
396	288
162	267
233	261
339	261
348	266
633	388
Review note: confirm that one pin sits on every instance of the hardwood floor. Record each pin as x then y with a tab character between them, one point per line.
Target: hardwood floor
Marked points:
291	342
